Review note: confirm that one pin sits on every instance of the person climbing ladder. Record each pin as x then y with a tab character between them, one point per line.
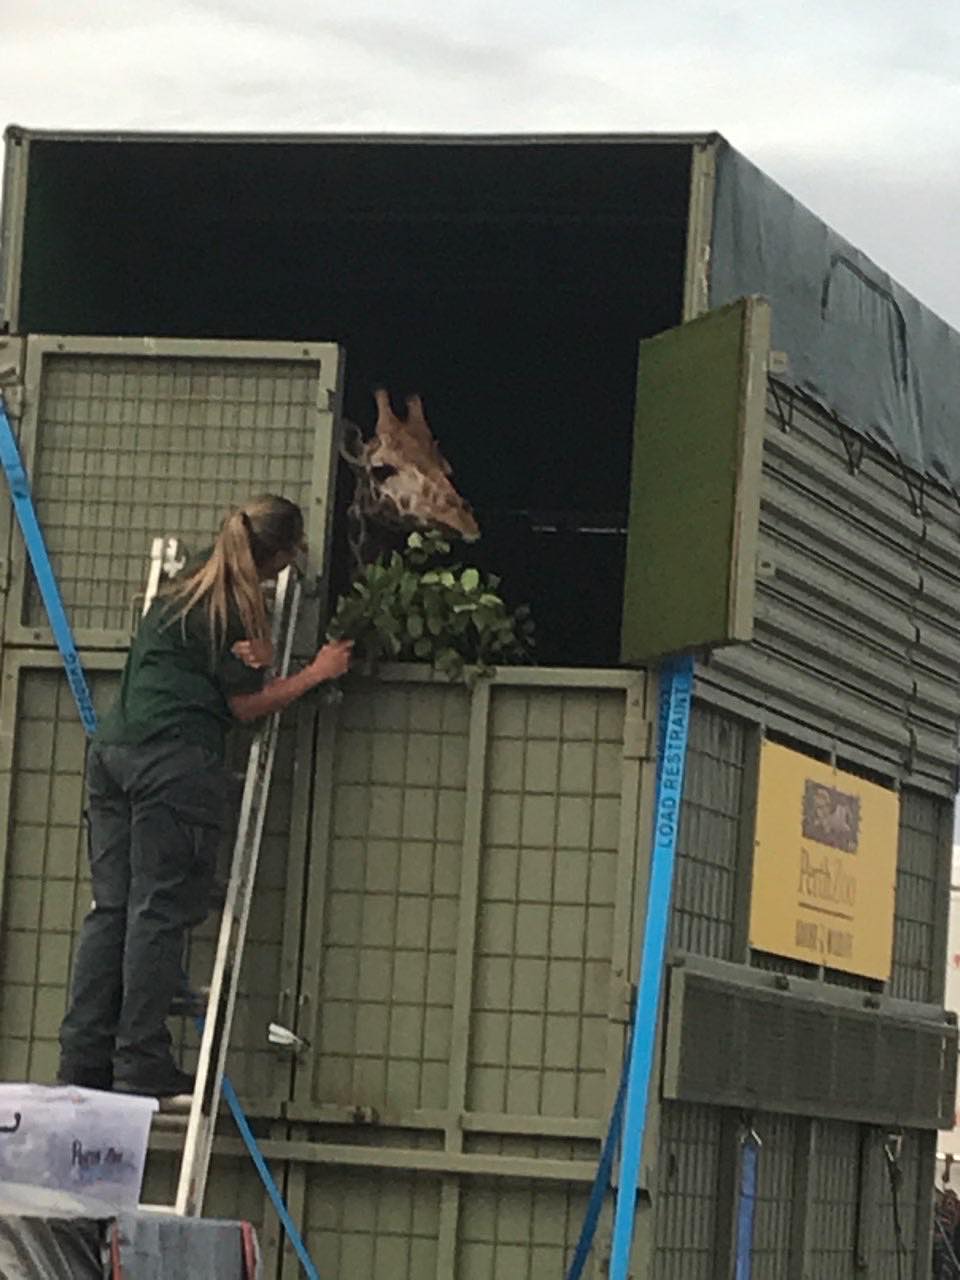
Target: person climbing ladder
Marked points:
156	795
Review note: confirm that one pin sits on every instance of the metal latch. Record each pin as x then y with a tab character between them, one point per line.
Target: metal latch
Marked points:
283	1038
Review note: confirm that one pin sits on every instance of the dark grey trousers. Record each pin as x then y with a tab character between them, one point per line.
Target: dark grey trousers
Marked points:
155	814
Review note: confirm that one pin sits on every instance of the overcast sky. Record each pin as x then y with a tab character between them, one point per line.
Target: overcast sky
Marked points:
854	105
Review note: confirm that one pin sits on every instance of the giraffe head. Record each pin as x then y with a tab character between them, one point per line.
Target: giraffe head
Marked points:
409	480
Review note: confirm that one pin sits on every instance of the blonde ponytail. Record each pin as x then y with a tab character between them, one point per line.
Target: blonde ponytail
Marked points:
230	578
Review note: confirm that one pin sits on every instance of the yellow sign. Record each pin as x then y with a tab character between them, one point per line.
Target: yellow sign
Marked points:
825	865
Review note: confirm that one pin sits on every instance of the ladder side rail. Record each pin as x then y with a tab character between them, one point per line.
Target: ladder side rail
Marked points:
201	1126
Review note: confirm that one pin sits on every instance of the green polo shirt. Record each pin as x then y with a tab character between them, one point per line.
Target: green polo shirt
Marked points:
173	686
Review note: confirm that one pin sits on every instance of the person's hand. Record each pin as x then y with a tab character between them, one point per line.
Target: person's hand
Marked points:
332	661
254	653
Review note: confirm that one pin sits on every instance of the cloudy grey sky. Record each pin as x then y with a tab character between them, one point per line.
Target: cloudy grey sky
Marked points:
854	105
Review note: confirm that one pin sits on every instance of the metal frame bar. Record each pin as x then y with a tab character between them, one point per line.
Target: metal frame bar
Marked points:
743	876
461	1014
448	1233
939	942
295	896
561	678
11	366
12	223
354	139
438	1120
295	1193
869	1191
314	902
696	272
329	362
633	870
676	695
272	1238
725	1192
805	1159
754	355
413	1159
923	1223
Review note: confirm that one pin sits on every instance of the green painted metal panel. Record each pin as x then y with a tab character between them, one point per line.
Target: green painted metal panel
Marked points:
46	885
125	439
386	907
372	1222
386	916
856	619
540	1038
736	1038
518	1229
695	492
776	1201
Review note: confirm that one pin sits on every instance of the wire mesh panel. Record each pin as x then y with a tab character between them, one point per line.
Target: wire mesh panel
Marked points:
390	918
708	844
835	1180
917	897
547	890
685	1198
124	439
776	1202
46	885
523	1230
372	1222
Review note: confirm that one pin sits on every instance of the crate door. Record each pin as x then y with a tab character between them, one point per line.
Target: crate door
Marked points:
695	487
127	438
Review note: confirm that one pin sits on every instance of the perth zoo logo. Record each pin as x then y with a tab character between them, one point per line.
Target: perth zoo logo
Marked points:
831	817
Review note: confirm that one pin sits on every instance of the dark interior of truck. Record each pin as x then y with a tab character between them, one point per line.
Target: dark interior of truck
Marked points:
508	284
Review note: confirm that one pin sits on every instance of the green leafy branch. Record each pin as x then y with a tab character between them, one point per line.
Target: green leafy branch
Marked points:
413	606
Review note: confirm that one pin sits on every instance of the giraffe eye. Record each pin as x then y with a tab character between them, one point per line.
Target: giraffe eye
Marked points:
383	473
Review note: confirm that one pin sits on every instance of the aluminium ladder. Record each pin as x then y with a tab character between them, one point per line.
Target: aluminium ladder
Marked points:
221	1001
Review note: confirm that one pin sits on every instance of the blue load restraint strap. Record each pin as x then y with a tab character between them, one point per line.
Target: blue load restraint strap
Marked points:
63	635
747	1204
630	1109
